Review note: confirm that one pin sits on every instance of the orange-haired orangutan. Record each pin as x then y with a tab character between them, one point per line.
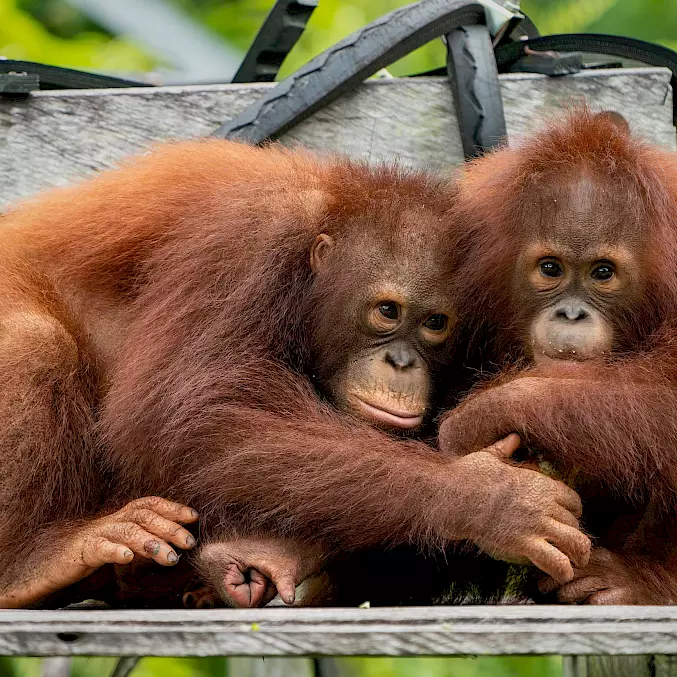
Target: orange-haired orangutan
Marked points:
573	255
241	330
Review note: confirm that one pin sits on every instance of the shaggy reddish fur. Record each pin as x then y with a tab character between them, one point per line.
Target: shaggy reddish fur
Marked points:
235	428
499	221
610	423
166	335
173	300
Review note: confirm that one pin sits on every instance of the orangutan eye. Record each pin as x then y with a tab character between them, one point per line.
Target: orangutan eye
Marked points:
603	272
436	322
550	268
390	310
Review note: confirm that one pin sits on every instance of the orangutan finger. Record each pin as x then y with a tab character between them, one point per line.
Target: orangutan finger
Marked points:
189	600
579	590
568	498
574	544
286	587
547	585
141	542
260	587
195	598
98	551
609	596
561	514
245	589
506	447
601	557
205	602
168	509
165	529
550	560
271	593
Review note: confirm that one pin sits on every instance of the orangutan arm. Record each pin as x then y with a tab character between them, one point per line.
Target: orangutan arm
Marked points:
352	487
616	424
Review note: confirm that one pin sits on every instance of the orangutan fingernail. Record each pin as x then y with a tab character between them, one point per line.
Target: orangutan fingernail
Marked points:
171	557
194	514
127	554
290	599
191	542
152	547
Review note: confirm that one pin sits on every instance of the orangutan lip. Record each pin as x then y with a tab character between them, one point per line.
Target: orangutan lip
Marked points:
391	418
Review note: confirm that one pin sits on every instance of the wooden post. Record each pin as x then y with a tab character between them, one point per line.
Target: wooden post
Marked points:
57	667
620	666
271	667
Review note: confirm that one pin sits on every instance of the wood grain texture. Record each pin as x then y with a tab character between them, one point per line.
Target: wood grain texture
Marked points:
619	666
411	631
56	137
271	667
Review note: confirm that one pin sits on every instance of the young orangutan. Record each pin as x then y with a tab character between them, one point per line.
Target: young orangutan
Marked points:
241	330
573	253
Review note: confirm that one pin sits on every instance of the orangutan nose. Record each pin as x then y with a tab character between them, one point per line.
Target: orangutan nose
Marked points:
572	312
400	358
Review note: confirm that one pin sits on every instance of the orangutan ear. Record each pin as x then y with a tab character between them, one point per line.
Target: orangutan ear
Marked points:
616	118
319	251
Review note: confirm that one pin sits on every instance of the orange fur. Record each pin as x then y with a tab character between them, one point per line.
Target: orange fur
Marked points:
613	420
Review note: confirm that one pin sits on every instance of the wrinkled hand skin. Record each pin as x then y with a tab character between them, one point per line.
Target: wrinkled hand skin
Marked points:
614	578
315	590
200	596
250	572
516	514
144	528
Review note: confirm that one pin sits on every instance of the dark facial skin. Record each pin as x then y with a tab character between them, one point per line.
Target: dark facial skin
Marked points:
581	273
401	330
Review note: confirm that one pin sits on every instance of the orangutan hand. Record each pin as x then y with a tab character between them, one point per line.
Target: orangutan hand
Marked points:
144	527
615	578
248	572
516	514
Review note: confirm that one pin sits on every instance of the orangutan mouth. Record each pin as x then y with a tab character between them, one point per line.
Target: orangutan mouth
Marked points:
388	417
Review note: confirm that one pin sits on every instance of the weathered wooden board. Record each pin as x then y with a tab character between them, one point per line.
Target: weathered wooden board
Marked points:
55	137
300	632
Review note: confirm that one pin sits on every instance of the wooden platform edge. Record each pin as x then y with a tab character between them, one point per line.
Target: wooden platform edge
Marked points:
413	631
56	137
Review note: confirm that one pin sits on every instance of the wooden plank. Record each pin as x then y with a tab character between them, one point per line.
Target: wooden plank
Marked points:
55	137
57	667
426	631
620	666
610	666
663	666
271	667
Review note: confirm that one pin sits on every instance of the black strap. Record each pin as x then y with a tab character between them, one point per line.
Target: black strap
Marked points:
348	63
18	85
477	95
549	63
613	45
54	77
281	30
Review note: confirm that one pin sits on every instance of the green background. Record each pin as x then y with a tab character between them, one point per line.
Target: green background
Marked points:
53	32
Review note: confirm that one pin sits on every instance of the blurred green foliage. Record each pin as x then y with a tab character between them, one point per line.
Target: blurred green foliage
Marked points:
550	666
52	31
65	39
